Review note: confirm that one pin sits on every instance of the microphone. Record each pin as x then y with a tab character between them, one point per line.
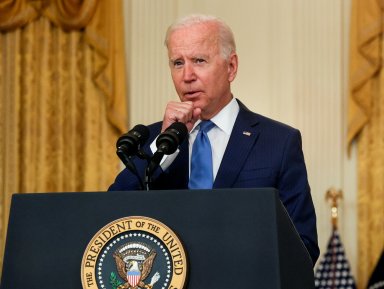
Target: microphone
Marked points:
169	140
167	143
130	143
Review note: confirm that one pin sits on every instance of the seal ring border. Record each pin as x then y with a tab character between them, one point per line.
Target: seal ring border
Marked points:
175	282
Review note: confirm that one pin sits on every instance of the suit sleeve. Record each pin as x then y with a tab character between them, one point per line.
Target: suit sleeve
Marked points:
126	181
295	193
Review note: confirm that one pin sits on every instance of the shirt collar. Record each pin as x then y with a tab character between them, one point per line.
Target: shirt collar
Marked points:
226	118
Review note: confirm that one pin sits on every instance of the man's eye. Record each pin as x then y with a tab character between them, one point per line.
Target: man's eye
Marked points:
199	60
177	63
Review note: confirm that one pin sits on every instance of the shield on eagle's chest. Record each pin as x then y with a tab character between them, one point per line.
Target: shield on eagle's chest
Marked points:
133	277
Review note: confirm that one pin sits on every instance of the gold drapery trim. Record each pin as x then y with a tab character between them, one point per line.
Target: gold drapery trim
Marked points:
16	13
366	126
71	15
365	61
68	14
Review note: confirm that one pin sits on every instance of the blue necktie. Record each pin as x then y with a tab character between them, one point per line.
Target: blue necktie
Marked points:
201	176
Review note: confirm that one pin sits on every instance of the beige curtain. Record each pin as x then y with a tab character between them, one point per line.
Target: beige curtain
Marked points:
366	126
62	96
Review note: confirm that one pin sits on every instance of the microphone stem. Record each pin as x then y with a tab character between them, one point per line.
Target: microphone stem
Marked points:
121	152
152	166
148	179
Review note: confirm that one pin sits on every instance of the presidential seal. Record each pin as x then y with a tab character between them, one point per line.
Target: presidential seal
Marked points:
134	253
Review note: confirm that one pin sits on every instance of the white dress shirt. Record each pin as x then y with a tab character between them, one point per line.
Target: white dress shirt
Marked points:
218	137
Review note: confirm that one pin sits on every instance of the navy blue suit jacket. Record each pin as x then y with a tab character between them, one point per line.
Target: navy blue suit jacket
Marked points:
261	152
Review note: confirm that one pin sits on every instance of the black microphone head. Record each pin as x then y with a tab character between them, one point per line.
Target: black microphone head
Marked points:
134	138
179	129
141	132
170	139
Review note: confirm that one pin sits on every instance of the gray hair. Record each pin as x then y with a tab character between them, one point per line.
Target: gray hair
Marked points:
227	43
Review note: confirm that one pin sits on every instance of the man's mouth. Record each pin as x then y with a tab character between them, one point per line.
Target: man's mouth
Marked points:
192	94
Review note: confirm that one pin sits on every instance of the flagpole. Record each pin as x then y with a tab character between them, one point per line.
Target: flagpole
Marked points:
333	196
333	271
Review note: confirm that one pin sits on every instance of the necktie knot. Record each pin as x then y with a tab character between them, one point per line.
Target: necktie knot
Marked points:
205	126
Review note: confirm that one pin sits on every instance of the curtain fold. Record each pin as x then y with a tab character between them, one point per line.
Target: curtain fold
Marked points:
16	13
72	14
109	73
62	97
366	127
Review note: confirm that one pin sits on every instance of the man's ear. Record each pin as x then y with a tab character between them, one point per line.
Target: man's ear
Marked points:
233	63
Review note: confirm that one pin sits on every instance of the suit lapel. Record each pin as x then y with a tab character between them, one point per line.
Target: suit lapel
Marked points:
243	137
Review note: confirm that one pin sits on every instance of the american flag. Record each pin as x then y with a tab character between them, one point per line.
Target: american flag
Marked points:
333	271
377	278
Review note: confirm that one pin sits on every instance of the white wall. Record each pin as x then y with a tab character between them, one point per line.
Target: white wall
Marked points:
293	68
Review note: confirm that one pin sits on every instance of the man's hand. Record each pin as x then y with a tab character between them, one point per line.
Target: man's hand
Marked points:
180	112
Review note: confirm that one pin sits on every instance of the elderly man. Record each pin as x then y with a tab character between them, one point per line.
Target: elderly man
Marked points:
246	150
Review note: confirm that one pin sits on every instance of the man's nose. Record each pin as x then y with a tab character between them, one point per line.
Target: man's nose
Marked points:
189	73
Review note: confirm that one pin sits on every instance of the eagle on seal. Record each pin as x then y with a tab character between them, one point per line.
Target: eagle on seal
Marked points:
134	272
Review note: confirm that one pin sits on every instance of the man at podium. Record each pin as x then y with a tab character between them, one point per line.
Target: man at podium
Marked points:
228	146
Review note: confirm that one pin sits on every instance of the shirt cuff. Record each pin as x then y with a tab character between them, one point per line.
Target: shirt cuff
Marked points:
167	160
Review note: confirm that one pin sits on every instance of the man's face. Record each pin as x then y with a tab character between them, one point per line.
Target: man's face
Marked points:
200	74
